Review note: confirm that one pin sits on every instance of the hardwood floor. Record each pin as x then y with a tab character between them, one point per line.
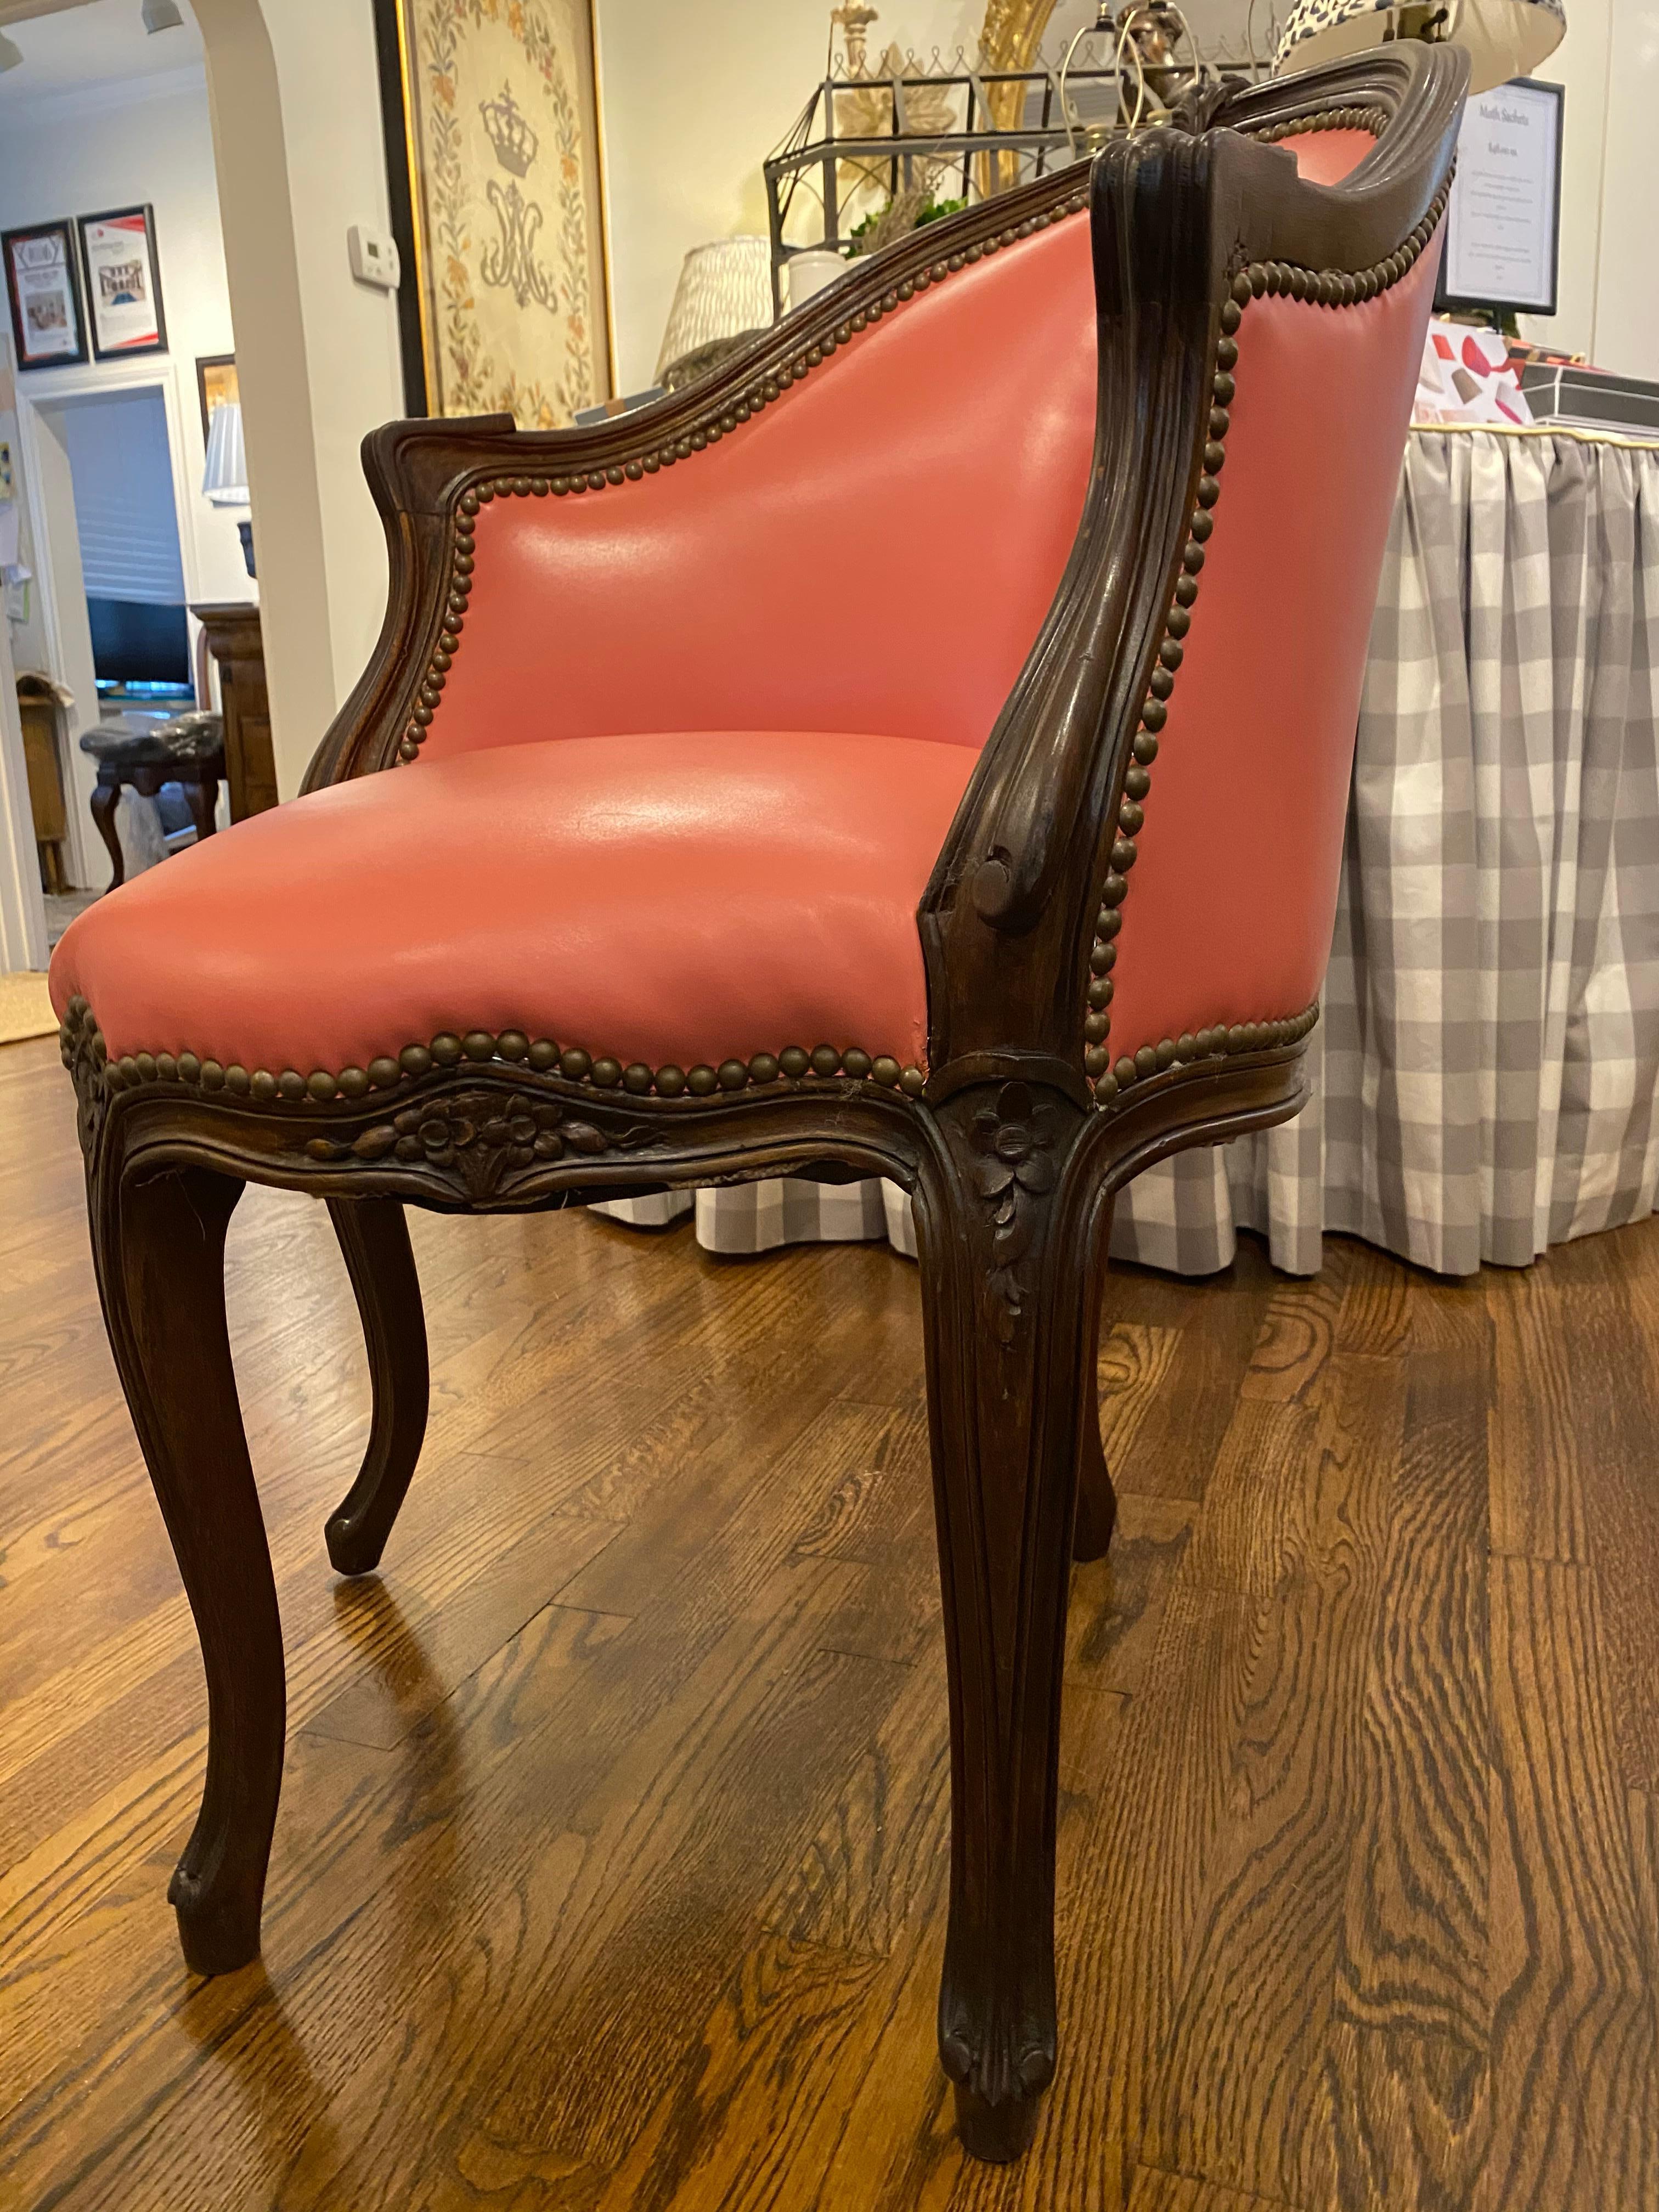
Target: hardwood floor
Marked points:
611	1864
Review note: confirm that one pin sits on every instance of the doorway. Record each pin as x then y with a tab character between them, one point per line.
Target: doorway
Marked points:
111	521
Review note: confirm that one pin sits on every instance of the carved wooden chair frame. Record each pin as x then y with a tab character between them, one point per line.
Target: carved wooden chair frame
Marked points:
1012	1144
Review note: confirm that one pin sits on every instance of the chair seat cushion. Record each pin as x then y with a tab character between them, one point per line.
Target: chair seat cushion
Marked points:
669	899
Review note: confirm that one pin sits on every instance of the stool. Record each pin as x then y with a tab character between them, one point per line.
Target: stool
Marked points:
189	750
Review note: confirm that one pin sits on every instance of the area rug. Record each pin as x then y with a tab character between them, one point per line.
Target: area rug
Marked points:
24	1008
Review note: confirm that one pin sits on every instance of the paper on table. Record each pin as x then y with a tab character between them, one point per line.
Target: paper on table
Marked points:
1466	377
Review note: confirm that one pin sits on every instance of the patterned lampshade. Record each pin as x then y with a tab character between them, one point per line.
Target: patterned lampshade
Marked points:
1502	38
725	287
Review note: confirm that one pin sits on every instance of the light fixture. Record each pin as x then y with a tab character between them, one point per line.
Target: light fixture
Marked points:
224	479
724	292
1503	38
161	16
10	54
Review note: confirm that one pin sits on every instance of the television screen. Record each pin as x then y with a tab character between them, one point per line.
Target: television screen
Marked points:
139	647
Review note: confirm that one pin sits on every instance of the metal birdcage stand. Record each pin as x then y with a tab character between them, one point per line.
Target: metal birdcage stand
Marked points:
1000	128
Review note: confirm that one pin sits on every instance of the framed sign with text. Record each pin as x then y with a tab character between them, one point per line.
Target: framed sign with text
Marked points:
48	324
1504	219
124	286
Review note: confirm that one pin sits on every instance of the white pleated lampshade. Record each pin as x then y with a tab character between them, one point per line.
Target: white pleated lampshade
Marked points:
1503	38
725	287
224	480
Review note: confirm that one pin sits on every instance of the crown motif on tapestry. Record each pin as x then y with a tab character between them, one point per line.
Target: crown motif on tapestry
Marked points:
514	142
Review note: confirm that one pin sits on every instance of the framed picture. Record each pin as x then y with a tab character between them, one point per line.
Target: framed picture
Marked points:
492	132
124	286
1503	216
47	322
216	383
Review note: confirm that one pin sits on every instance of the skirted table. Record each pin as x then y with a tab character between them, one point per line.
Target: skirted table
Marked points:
1486	1074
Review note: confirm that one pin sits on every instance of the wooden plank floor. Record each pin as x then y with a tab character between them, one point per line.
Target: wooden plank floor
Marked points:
611	1866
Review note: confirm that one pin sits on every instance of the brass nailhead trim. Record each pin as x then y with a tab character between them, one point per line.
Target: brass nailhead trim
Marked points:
1207	1044
1374	119
78	1016
480	1048
1327	288
769	388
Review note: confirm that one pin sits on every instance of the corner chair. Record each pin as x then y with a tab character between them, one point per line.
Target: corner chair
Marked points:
625	868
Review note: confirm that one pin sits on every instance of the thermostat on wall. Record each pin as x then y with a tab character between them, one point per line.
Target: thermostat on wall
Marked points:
373	256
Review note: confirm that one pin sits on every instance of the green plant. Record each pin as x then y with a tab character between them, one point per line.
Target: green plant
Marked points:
888	222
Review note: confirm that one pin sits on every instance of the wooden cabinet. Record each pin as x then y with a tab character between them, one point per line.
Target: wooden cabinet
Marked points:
38	704
235	641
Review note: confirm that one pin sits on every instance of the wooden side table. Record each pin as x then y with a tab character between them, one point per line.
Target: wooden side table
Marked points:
235	641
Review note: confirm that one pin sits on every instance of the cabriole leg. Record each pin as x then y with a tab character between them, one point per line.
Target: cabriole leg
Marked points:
201	791
374	1237
1008	1226
159	1246
105	799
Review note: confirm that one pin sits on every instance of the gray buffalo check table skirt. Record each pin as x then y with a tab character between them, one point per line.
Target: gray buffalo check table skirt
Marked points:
1486	1073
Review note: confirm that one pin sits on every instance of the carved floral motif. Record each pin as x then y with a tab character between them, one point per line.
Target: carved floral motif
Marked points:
1014	1171
80	1046
479	1137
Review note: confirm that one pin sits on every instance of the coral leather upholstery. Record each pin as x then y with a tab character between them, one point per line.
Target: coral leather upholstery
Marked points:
1325	157
704	733
663	898
1229	912
876	553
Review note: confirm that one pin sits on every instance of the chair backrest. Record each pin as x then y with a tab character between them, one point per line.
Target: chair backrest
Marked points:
876	555
873	555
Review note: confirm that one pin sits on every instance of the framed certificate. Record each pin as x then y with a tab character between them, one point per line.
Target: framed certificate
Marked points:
1504	218
123	287
47	323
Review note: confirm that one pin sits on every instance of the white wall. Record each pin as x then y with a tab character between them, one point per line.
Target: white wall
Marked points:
1626	335
331	99
295	107
23	916
1579	63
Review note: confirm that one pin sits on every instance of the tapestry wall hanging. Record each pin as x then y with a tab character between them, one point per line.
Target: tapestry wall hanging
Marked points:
492	123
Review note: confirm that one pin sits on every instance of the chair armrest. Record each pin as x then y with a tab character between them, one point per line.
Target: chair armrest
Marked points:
1008	919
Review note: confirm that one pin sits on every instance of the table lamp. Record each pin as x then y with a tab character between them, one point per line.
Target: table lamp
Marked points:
725	291
1503	39
224	480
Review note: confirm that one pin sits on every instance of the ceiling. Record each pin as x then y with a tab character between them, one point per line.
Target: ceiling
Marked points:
16	11
71	47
